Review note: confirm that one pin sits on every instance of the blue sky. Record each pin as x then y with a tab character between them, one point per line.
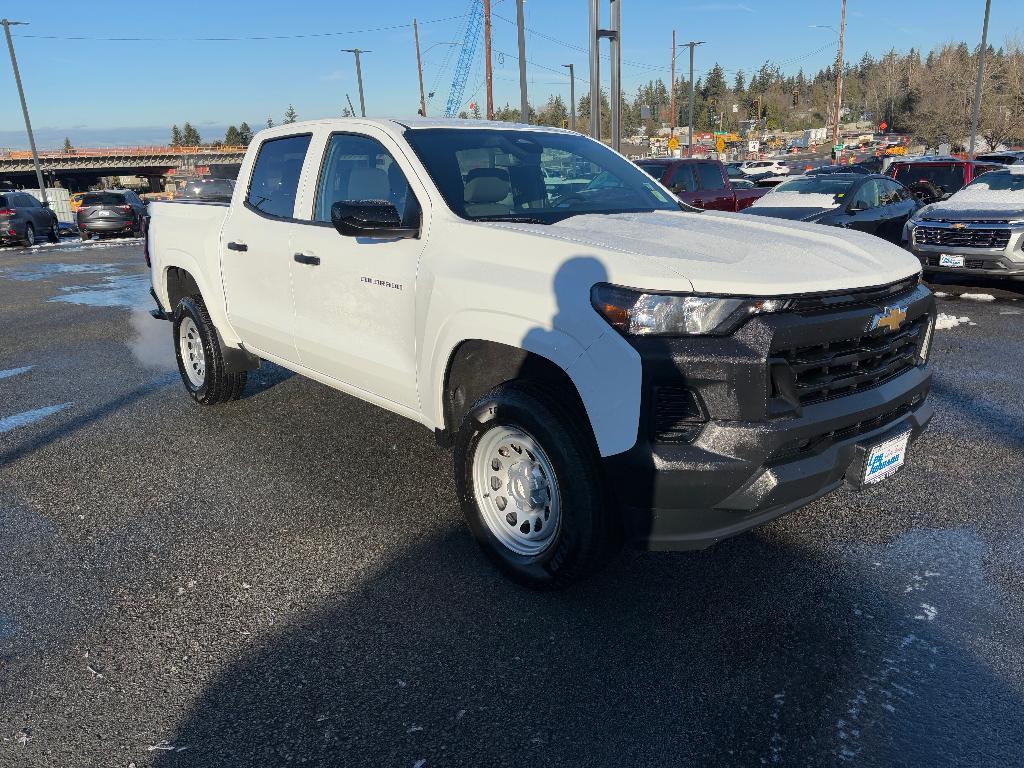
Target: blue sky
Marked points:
94	89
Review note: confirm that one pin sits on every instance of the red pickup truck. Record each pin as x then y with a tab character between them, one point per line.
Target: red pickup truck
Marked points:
701	183
933	178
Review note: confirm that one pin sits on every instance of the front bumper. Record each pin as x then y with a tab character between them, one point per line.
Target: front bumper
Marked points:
756	455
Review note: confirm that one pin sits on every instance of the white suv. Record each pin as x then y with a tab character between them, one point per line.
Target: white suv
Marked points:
765	167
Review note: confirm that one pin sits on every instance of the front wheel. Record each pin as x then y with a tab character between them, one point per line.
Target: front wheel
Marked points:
200	360
54	234
30	236
531	488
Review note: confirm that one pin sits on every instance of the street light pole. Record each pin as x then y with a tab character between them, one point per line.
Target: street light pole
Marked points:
488	74
689	142
524	102
359	76
572	97
24	106
976	107
839	77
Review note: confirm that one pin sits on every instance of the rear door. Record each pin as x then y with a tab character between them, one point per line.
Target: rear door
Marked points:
34	212
256	249
715	192
355	297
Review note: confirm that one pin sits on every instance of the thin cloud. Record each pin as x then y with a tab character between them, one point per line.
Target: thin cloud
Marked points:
338	74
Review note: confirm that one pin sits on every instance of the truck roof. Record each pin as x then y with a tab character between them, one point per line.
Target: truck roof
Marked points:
397	124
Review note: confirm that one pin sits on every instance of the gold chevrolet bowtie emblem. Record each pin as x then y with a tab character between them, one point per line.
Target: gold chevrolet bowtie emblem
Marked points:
892	319
957	226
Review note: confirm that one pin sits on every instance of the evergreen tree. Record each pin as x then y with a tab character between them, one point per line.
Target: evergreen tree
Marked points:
232	137
290	115
244	134
270	122
475	111
190	136
175	136
68	149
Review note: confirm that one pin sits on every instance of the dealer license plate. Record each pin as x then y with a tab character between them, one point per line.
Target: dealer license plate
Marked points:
945	260
885	458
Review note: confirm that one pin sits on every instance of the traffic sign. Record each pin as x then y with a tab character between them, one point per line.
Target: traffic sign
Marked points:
720	144
673	143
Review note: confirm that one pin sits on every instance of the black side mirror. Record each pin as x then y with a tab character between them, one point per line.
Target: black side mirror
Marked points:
371	218
46	204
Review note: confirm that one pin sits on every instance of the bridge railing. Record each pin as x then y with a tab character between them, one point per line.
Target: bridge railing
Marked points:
152	151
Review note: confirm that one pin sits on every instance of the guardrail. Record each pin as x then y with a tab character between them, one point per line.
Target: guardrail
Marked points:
154	151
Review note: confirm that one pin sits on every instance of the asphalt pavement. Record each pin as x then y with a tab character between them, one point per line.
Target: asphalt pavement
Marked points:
287	579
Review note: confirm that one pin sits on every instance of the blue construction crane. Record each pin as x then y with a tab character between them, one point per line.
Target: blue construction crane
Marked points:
465	63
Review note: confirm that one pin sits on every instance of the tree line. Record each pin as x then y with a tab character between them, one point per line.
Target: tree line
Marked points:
928	96
234	136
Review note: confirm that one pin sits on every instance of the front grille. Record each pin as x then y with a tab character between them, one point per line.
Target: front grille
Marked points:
933	261
967	237
676	415
837	368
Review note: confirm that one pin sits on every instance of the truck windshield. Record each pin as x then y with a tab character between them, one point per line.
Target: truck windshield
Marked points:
534	176
948	178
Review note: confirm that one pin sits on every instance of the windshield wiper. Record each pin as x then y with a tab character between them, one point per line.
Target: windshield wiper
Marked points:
514	219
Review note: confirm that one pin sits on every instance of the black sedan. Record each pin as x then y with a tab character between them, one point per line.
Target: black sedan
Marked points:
111	212
874	204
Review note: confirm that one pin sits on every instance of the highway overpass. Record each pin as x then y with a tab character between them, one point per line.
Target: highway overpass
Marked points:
81	168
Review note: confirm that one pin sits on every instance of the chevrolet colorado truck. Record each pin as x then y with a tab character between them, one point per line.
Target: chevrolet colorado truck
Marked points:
607	364
979	231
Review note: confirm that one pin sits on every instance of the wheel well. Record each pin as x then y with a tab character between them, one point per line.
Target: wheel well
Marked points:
179	285
477	366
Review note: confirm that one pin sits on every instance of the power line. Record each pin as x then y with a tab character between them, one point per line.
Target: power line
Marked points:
242	38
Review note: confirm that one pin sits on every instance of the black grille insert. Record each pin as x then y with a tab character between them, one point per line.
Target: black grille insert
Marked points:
967	237
813	374
676	415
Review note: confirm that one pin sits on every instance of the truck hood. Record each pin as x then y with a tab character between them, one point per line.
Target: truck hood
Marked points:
727	253
955	210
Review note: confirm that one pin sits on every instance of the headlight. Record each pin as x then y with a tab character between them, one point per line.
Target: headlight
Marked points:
635	313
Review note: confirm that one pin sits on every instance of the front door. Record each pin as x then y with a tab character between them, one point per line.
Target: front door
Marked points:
256	252
715	192
355	297
683	182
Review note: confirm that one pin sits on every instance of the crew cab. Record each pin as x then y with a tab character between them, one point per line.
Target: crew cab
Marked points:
607	364
702	183
978	231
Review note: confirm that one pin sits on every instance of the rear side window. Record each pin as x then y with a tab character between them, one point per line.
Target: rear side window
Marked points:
275	176
683	179
710	176
102	198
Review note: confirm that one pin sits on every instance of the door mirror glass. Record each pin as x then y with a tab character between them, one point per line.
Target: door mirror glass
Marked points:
370	218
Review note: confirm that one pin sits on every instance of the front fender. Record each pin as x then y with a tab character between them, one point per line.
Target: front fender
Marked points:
606	372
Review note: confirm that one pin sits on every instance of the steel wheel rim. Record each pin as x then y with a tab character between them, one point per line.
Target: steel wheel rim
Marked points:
516	490
30	234
193	355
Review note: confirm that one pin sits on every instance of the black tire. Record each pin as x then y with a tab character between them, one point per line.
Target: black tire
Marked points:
218	386
588	529
30	236
54	234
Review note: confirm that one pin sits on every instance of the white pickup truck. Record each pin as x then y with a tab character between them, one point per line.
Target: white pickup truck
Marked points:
608	363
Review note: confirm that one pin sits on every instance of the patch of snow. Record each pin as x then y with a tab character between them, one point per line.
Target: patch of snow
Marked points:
29	417
14	371
944	321
978	296
44	271
941	295
129	291
928	613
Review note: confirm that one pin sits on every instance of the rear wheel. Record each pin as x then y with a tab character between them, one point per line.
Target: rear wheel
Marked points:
30	236
200	360
531	488
54	234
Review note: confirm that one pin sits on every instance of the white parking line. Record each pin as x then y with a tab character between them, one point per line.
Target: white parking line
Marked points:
29	417
14	371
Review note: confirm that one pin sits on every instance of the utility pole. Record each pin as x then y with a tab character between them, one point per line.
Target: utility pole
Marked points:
975	108
572	97
691	45
24	106
672	88
615	84
839	77
595	70
419	68
488	77
524	103
359	76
